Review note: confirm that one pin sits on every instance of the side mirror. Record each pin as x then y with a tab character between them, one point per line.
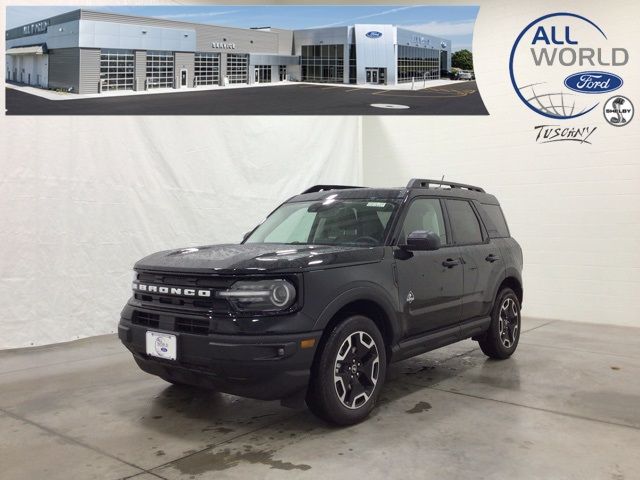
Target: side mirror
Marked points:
422	240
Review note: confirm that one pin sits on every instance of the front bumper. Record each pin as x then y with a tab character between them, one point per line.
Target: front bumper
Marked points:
265	367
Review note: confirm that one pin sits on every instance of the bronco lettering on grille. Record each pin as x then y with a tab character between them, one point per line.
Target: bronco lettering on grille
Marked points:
183	292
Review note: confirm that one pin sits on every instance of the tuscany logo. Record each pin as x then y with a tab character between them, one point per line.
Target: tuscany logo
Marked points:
559	66
557	133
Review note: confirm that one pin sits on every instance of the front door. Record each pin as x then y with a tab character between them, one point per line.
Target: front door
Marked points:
372	75
430	284
183	77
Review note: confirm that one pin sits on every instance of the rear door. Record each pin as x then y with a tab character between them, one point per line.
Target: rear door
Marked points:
483	266
429	283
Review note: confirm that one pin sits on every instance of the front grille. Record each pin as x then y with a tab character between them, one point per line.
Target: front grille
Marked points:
196	326
146	319
200	305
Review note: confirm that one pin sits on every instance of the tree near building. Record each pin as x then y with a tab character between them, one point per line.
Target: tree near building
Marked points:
462	59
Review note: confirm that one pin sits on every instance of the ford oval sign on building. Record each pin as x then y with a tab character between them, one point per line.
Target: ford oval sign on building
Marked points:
373	34
593	82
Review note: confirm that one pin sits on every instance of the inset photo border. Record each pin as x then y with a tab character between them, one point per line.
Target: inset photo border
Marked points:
241	60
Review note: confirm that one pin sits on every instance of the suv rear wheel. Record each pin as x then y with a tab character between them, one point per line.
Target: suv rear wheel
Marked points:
349	372
501	340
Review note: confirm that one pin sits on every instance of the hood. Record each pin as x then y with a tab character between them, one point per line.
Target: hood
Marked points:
258	258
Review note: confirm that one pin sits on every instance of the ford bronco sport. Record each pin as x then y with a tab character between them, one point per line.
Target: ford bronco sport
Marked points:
331	287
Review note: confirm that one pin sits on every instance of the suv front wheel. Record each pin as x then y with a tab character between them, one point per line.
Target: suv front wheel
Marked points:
501	340
349	372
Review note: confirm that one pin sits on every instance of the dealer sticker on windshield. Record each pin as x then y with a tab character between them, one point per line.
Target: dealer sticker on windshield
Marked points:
376	204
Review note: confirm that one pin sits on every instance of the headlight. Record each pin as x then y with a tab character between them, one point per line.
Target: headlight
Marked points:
261	295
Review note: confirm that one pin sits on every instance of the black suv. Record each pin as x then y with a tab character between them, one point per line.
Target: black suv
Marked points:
334	284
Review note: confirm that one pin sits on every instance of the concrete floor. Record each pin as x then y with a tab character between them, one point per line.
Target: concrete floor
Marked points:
566	406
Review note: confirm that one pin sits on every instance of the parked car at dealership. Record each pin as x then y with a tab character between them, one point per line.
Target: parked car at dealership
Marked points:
466	75
335	284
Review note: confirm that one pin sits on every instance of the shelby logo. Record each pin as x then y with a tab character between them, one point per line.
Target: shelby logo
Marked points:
373	34
183	292
544	60
618	111
557	133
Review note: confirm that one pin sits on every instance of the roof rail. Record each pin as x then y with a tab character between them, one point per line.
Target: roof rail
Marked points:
322	188
426	183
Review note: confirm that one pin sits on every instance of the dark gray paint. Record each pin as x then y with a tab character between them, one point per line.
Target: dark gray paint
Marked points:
64	69
17	32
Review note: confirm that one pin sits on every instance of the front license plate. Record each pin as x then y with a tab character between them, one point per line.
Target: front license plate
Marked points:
162	345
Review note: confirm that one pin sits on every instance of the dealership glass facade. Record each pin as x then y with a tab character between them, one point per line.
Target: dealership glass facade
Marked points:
237	68
159	69
418	63
116	69
352	64
206	68
322	63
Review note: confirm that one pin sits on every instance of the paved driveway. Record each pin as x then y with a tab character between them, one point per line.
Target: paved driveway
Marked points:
299	99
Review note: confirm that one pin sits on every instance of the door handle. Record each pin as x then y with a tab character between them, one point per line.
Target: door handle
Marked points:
492	258
450	263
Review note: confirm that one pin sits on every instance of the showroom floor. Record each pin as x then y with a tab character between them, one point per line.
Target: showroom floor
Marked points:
567	405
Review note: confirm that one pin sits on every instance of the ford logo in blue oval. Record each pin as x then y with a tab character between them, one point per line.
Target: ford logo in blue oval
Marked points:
373	34
593	82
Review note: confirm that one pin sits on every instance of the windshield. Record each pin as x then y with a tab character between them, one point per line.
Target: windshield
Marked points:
328	222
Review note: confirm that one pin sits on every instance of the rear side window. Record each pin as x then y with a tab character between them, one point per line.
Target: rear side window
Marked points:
499	228
465	224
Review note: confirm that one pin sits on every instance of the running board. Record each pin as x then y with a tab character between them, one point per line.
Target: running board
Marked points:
432	340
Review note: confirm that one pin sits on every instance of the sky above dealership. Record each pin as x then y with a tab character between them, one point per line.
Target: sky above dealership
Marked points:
454	23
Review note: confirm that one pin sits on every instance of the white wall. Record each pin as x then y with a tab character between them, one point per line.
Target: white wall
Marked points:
574	208
81	199
575	212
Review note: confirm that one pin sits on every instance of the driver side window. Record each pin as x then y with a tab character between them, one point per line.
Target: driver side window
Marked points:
424	214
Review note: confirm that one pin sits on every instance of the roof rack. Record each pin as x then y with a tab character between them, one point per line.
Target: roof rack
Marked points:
426	183
322	188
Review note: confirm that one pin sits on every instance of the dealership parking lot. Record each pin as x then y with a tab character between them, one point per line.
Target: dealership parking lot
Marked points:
299	99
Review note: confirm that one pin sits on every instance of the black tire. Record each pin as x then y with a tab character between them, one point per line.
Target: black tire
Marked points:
341	376
501	340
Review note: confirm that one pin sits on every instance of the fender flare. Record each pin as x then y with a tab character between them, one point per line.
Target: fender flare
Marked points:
510	272
360	291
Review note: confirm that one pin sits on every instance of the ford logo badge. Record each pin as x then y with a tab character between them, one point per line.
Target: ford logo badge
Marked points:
593	82
373	34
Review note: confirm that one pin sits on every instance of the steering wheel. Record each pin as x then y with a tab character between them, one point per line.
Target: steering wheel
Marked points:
366	239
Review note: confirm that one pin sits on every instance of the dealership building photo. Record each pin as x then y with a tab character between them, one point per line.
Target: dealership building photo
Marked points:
89	52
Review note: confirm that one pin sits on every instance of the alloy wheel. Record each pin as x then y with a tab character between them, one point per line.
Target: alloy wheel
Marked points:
356	369
508	322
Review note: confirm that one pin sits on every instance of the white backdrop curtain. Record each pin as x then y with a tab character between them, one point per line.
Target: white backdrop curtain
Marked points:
81	199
